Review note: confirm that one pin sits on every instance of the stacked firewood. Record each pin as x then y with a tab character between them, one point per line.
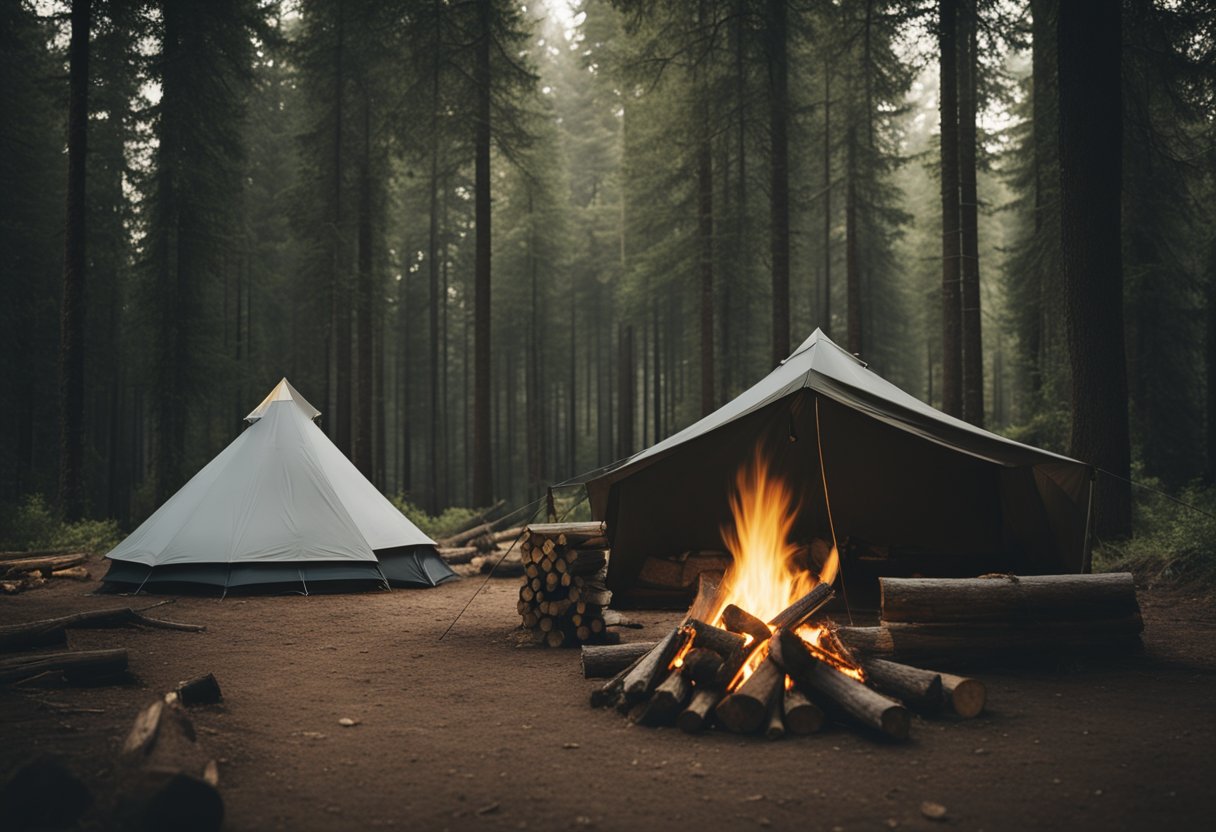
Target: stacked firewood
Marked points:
563	595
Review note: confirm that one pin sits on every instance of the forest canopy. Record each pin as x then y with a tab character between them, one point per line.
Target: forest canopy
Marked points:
500	244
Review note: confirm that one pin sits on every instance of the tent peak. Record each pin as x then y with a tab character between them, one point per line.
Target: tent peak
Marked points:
283	392
817	337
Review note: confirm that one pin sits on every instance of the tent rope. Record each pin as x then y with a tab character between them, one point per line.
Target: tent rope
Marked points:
1164	494
823	473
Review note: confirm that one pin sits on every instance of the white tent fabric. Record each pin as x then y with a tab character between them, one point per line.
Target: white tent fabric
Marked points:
281	492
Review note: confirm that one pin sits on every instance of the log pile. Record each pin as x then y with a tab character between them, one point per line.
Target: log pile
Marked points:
960	621
485	550
563	592
748	676
20	571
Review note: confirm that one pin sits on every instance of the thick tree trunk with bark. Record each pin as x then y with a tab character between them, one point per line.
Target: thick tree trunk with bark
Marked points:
482	394
72	310
973	357
852	247
1091	130
826	316
779	185
952	348
705	239
365	301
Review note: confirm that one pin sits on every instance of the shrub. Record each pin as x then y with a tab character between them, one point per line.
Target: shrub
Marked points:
35	525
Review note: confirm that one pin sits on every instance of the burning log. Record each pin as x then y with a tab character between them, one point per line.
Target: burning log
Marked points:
850	696
745	709
798	612
916	688
709	637
802	716
165	781
50	632
79	667
667	701
702	666
600	661
641	680
739	620
966	697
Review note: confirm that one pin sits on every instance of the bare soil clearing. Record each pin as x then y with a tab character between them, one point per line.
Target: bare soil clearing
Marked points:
481	731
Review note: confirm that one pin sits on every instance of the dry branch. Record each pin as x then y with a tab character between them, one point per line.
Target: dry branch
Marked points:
52	631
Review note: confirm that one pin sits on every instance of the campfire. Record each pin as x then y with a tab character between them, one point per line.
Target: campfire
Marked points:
749	656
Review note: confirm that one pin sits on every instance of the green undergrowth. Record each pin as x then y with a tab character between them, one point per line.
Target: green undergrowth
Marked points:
1174	542
33	524
444	524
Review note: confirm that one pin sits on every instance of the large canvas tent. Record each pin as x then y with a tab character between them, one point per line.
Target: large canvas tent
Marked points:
280	505
930	494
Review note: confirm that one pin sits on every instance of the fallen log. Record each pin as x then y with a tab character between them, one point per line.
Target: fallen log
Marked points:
78	573
746	708
979	643
610	692
456	555
472	525
650	668
50	632
46	565
602	661
164	778
966	697
919	689
568	534
34	553
798	612
738	620
802	716
79	667
1006	599
817	679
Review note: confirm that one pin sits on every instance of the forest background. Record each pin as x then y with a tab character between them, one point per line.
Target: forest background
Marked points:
502	244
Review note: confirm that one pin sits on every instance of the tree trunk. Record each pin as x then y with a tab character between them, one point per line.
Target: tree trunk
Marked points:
705	238
75	263
432	257
482	394
1089	44
952	349
972	343
852	248
365	301
779	190
826	317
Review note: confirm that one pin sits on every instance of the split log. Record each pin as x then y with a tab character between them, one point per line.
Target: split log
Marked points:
815	678
50	632
575	532
201	690
798	612
919	689
602	661
79	667
650	668
705	600
978	643
697	715
709	637
667	701
45	565
702	666
802	716
43	794
745	709
165	780
966	697
1005	599
739	620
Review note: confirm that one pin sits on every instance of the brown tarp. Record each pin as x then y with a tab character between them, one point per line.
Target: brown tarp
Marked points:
901	476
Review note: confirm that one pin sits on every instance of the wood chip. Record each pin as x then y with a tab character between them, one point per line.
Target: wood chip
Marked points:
933	811
347	722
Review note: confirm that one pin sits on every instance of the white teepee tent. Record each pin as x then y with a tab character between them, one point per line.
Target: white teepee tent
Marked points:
280	505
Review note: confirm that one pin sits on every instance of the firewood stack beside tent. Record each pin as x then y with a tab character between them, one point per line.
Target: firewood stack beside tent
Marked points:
563	594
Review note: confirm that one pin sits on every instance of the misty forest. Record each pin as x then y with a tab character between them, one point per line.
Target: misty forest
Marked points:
501	244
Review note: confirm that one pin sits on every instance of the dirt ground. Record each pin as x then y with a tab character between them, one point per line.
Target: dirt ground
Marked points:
480	732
